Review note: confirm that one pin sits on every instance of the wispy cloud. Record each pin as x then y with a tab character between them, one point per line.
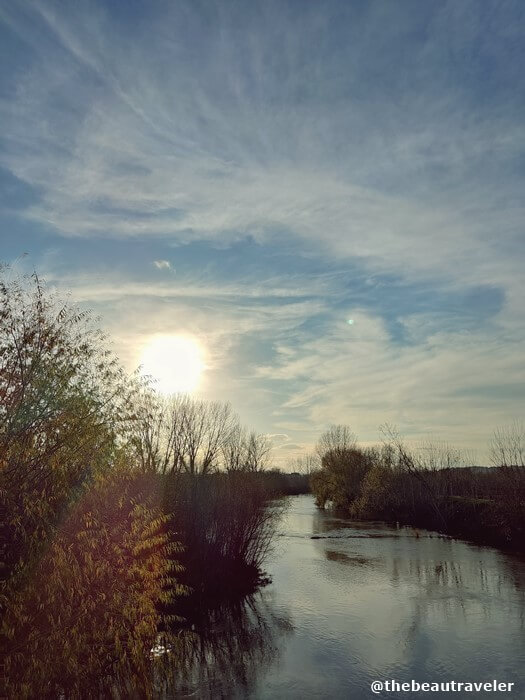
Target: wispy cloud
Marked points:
162	264
152	155
373	153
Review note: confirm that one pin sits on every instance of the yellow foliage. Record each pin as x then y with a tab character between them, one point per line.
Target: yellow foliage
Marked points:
87	615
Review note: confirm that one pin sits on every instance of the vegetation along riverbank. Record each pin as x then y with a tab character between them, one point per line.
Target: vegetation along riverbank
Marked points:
431	487
121	510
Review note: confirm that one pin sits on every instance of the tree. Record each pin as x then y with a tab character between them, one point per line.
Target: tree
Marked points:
335	442
412	465
152	434
343	466
62	398
233	449
507	447
198	431
180	434
244	451
258	448
507	451
86	551
305	464
186	435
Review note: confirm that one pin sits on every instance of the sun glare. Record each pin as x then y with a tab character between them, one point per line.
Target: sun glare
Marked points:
175	362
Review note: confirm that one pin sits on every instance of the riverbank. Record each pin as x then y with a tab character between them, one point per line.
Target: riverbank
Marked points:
485	505
478	521
363	601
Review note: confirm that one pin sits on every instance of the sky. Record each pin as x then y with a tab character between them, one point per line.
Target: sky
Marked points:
253	175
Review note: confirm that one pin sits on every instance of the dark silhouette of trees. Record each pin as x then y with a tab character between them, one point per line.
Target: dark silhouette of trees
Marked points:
181	434
431	486
507	447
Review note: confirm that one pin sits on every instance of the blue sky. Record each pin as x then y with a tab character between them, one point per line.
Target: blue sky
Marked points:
294	164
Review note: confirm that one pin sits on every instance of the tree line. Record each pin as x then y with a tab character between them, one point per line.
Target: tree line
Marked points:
433	487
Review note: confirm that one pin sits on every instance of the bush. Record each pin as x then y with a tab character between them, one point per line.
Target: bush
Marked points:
86	616
340	478
62	398
226	525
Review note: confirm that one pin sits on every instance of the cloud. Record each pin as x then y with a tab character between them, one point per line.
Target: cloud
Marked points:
278	439
391	152
433	386
152	157
162	264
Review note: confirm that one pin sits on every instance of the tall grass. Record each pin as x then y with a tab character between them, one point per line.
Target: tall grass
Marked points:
226	525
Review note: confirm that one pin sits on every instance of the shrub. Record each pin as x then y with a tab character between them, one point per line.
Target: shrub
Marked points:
62	397
86	617
226	524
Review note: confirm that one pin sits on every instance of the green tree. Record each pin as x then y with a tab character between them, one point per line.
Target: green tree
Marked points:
62	396
86	549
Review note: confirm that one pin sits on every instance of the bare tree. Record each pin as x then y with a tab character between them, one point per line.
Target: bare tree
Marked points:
434	455
336	442
411	463
305	464
247	452
233	449
507	447
183	434
198	431
258	448
147	432
507	450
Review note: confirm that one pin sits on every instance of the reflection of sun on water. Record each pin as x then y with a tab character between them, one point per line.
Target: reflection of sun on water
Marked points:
175	362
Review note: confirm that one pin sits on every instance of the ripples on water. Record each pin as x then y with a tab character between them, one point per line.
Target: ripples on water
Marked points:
353	602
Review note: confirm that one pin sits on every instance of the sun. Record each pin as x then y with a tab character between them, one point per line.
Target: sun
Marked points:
175	363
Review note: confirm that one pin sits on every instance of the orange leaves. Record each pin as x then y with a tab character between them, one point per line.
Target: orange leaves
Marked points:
93	596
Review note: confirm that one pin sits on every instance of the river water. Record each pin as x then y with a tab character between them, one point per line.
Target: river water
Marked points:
353	602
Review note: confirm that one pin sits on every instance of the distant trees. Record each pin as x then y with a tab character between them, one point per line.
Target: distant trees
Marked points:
244	451
507	447
181	434
429	486
198	430
343	466
384	481
335	443
305	464
507	451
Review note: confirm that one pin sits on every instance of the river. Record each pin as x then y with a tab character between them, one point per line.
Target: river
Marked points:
353	602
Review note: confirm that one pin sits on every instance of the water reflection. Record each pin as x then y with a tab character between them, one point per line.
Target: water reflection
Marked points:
368	601
225	653
355	560
371	601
